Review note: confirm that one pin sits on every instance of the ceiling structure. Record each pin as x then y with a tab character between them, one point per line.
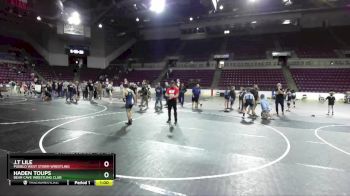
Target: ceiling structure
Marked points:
135	13
125	14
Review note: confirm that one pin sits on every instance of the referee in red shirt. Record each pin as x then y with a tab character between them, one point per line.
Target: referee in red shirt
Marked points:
172	93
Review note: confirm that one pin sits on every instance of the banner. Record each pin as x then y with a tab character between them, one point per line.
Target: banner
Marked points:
73	29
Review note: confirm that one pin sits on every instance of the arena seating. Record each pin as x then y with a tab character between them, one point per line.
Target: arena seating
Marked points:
45	71
322	80
63	73
265	78
311	43
14	72
204	77
89	74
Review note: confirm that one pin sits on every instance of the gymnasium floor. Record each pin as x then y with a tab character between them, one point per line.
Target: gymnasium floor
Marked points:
209	152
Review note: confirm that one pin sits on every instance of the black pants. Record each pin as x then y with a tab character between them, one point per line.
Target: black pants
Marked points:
172	104
281	102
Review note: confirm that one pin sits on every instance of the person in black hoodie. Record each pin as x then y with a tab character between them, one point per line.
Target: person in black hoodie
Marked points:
232	96
331	101
90	89
279	98
183	90
70	92
241	95
59	89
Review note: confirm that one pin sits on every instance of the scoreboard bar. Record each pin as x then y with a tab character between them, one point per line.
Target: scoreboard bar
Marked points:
62	182
96	169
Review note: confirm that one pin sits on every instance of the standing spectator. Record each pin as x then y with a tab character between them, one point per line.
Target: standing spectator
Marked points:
159	96
103	89
60	89
65	88
129	102
255	92
196	92
110	91
232	96
331	101
227	98
241	95
279	98
99	90
69	94
85	90
183	90
90	90
144	94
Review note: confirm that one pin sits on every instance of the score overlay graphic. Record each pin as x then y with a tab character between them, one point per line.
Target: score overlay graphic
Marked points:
61	169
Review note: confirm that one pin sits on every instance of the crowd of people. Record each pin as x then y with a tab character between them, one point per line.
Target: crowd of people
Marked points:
173	94
249	98
70	90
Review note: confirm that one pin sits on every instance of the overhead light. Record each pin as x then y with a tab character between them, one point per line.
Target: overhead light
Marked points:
227	32
254	22
157	6
197	28
76	51
100	26
137	19
191	19
74	19
81	51
252	1
38	18
221	7
215	4
286	22
287	2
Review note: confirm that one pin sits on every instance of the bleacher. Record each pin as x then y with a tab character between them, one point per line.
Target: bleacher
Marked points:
265	78
63	73
14	72
89	74
322	80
